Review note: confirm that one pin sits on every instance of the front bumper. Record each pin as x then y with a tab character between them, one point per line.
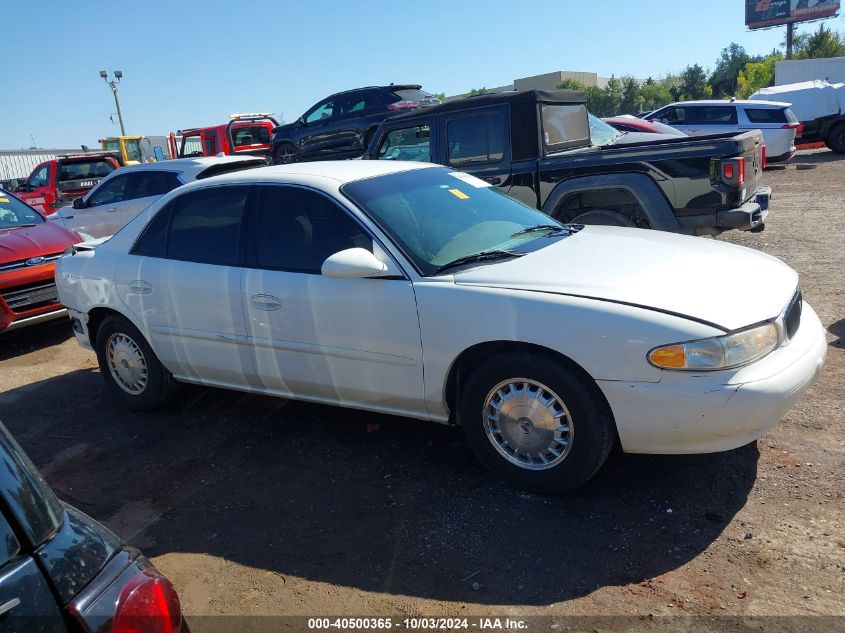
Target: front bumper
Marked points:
716	411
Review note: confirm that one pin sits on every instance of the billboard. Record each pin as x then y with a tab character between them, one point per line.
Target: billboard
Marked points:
763	13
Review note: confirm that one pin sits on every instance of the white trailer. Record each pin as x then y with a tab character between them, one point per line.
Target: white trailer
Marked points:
793	71
819	106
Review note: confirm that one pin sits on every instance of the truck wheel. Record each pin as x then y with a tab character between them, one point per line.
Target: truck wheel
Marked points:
836	139
285	153
535	422
130	367
606	217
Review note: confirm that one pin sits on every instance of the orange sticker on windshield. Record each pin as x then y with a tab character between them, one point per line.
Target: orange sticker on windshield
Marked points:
459	194
4	199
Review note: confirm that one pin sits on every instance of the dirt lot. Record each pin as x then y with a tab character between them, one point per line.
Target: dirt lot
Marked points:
253	505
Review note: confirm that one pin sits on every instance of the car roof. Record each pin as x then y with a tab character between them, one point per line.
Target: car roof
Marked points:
494	98
723	102
338	171
196	163
391	88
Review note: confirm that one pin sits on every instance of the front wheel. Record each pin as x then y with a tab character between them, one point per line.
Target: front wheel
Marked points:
130	367
535	422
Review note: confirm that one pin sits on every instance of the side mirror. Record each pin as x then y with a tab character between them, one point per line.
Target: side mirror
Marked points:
78	203
353	263
302	120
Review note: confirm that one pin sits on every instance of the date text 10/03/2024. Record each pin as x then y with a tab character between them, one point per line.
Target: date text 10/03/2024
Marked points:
419	624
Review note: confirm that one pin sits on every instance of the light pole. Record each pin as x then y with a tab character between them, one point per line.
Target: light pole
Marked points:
113	84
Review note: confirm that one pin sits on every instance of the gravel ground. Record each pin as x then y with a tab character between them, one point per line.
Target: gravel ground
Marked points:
253	505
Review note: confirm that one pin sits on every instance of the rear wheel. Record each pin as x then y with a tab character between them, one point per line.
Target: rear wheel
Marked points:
285	153
535	422
130	367
836	139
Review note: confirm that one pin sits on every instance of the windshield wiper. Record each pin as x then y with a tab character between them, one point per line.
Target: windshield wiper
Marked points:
18	226
484	256
540	228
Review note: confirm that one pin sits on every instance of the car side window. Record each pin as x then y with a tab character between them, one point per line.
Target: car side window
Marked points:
673	116
407	143
714	115
476	139
297	229
109	192
144	184
39	177
323	111
205	226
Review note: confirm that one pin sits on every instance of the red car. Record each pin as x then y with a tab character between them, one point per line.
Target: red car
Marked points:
29	248
633	124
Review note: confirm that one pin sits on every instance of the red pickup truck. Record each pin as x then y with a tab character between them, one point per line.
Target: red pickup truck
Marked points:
243	134
56	182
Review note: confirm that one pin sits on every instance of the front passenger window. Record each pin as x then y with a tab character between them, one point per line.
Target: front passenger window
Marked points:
324	111
409	143
297	229
109	192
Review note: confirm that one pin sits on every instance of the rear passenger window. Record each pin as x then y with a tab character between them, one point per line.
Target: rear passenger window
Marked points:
205	226
713	115
151	183
297	229
407	143
477	139
766	115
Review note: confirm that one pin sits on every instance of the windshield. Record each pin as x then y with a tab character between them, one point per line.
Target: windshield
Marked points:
601	133
437	216
14	213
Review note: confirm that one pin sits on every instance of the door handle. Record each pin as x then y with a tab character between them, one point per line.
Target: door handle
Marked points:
8	606
493	180
112	209
266	302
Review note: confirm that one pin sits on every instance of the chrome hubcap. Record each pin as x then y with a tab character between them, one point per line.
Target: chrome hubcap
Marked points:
127	364
528	424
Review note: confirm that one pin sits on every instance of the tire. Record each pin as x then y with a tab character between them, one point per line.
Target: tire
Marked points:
512	382
836	139
604	217
120	342
284	154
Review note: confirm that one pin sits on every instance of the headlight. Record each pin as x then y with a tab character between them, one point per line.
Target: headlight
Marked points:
721	352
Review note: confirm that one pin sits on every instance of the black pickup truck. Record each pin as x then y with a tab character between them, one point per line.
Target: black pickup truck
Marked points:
544	149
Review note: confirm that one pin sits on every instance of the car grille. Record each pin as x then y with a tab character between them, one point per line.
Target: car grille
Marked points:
22	263
792	316
31	296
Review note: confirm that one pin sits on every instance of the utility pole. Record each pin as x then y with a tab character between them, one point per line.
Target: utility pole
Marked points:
790	33
113	85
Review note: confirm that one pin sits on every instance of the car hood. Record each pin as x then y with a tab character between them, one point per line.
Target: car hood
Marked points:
702	279
42	239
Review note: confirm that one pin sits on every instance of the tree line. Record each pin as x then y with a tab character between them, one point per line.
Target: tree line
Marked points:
736	73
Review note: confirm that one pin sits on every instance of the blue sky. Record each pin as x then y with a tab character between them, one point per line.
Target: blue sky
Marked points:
189	63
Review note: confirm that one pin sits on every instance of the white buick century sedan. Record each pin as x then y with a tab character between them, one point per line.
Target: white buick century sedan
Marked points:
419	291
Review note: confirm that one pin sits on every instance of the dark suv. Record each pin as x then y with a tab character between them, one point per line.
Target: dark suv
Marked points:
62	572
341	126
